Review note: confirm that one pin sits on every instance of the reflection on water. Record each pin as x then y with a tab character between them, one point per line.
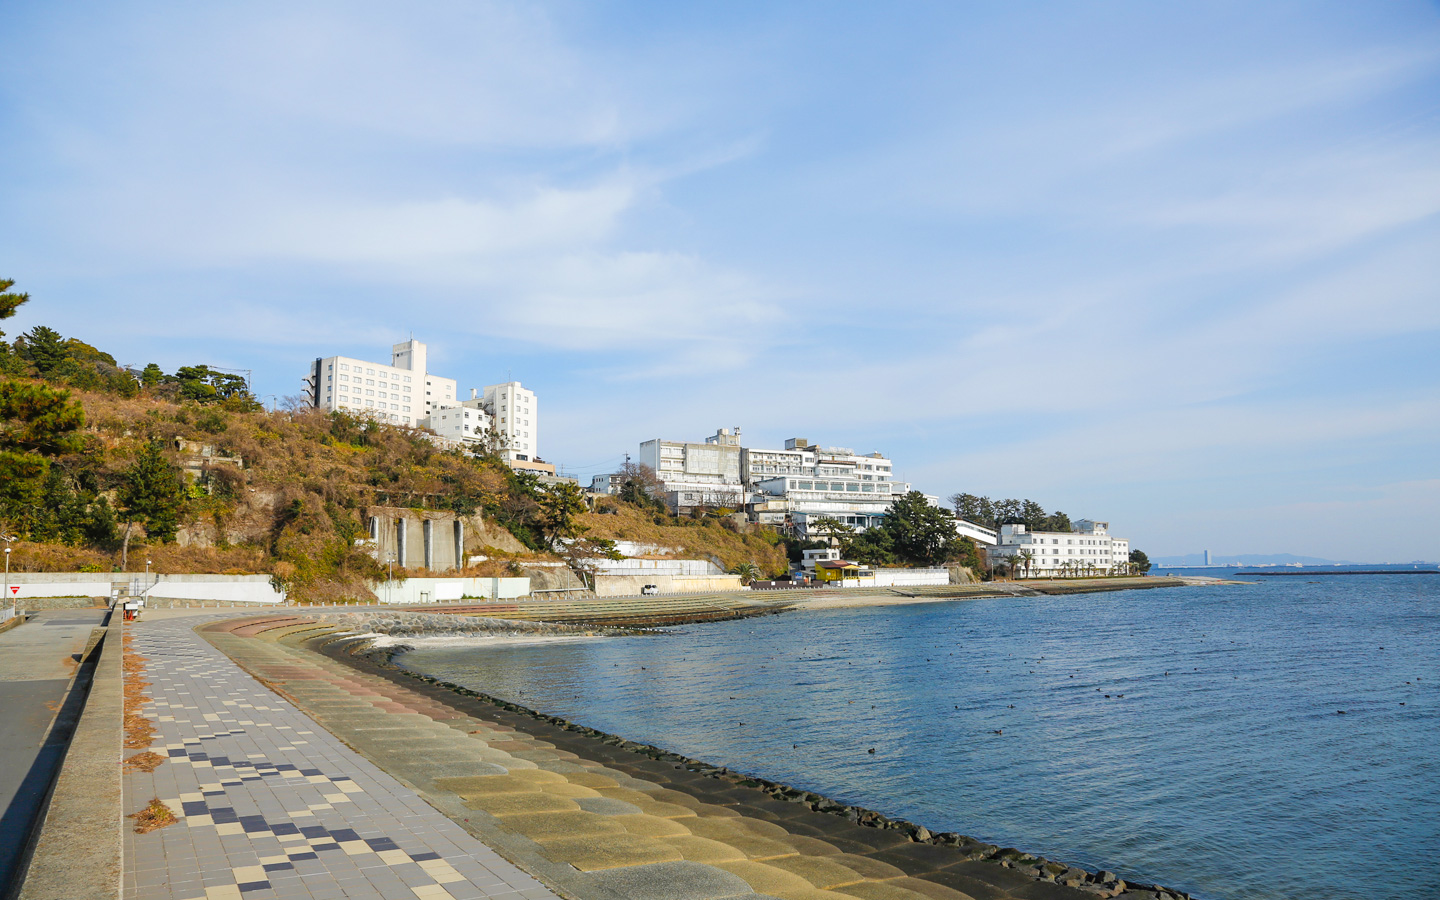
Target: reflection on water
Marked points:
1189	736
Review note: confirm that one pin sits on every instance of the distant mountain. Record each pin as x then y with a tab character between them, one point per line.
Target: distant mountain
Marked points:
1245	559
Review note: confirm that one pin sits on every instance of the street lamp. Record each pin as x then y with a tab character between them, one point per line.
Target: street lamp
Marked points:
389	576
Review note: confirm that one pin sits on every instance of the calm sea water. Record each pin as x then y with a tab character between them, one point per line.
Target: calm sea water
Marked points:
1189	736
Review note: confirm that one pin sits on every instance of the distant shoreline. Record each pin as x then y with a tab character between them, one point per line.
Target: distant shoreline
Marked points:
1348	572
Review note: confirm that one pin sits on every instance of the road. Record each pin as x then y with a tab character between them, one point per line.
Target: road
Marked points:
37	662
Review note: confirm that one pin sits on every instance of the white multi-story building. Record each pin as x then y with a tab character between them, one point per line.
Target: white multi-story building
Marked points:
795	486
515	413
1087	549
403	392
698	474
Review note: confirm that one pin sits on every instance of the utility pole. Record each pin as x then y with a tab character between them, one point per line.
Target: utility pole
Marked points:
14	602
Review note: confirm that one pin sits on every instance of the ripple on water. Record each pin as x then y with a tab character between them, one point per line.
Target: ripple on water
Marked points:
1232	776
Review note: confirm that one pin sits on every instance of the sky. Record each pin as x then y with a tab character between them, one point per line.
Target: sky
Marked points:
1173	266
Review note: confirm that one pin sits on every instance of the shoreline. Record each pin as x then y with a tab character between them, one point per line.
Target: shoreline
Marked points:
974	867
1039	868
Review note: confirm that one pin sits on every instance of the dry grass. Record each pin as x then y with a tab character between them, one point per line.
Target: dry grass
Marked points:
147	761
154	815
693	540
139	733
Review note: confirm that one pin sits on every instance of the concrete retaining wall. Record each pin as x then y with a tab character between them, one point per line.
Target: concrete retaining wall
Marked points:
36	603
630	585
647	567
259	591
446	590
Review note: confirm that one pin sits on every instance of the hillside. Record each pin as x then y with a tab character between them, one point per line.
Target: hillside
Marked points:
102	469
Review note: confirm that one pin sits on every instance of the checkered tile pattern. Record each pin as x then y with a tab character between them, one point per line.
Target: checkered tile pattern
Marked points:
272	806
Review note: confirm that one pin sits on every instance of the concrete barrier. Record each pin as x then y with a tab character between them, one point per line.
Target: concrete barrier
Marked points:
78	849
449	590
630	585
259	591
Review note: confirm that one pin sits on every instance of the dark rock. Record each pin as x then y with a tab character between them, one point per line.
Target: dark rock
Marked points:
1073	877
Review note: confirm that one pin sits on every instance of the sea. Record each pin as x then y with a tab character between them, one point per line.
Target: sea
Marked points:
1272	740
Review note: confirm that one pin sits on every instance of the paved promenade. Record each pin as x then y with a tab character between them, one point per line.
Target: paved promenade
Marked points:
280	776
37	661
599	821
273	806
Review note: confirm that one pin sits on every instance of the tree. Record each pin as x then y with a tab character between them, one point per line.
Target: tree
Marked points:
35	418
1057	521
37	422
1026	559
640	487
969	555
151	375
206	385
195	383
914	532
967	506
10	301
747	571
560	505
873	547
152	493
832	531
1140	561
45	348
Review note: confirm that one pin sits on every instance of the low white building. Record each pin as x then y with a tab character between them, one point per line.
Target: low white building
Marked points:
469	422
402	392
1087	549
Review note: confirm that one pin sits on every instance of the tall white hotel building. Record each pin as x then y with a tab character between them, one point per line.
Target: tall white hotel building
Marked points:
402	392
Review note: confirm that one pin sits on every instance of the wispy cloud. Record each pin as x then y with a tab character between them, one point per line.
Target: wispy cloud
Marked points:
1113	257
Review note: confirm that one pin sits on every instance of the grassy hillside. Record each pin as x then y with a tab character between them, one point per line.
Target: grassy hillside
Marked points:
103	468
714	537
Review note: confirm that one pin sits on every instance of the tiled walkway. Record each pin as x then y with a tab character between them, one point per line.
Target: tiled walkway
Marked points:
274	806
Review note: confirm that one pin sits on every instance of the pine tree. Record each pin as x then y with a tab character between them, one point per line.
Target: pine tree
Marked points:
153	493
45	348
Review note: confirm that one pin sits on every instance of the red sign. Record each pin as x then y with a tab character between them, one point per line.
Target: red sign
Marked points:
14	588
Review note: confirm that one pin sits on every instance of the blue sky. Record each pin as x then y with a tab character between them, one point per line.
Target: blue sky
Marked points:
1175	267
